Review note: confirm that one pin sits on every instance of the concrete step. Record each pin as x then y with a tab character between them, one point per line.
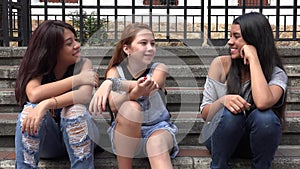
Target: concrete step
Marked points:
189	157
188	123
178	99
189	54
178	75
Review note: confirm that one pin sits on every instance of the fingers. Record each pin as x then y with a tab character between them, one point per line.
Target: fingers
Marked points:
30	126
91	108
97	104
237	104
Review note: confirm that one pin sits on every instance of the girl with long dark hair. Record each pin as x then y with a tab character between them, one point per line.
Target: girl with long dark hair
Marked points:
245	95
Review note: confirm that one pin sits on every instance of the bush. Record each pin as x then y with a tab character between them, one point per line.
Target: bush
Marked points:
92	34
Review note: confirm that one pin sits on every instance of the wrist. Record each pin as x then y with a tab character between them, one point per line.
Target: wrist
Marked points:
116	84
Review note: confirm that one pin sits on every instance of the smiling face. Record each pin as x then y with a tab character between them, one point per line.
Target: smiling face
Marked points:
70	52
236	41
142	49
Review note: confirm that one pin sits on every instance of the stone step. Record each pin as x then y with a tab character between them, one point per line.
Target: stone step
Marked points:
178	75
188	123
178	99
189	157
189	54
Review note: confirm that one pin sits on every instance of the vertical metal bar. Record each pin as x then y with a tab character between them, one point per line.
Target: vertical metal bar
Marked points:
244	7
150	13
46	9
98	14
5	23
116	20
185	21
209	20
133	11
81	37
26	22
295	20
226	21
277	19
168	21
10	33
202	19
261	6
63	10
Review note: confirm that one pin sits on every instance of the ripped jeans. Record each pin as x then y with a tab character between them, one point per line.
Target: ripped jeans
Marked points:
52	141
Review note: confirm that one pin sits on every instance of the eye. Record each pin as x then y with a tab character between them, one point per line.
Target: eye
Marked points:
143	42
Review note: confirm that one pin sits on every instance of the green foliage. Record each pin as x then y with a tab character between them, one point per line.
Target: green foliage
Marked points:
92	34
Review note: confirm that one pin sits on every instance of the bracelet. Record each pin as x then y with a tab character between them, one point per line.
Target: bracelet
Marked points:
56	102
116	84
53	109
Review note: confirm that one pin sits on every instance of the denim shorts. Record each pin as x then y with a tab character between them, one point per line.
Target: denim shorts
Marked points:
146	133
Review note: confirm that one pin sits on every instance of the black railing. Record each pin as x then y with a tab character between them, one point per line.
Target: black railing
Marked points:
101	23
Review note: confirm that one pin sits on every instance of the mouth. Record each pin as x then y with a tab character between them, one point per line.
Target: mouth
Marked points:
233	50
76	53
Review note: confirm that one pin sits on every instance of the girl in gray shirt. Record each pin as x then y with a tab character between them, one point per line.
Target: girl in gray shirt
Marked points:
244	96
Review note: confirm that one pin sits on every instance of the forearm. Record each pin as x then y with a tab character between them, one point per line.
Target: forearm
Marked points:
261	93
210	110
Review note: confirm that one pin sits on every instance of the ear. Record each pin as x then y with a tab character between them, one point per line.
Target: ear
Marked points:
126	49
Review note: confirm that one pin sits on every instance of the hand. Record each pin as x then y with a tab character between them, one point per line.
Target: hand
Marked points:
235	103
145	86
99	99
248	53
34	117
87	77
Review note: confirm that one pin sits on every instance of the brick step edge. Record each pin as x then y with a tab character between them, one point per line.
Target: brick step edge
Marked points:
189	157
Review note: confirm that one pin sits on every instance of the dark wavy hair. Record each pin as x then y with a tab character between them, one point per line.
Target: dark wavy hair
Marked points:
256	30
41	55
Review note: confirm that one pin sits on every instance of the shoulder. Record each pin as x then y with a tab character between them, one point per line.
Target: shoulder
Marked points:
160	66
219	68
112	72
279	75
86	63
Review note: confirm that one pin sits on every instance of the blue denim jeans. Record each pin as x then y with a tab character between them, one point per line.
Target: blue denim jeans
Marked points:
54	141
255	136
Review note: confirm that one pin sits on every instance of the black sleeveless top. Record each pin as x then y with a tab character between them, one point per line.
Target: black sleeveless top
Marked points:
49	78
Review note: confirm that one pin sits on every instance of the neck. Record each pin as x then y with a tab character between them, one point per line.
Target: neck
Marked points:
59	71
135	68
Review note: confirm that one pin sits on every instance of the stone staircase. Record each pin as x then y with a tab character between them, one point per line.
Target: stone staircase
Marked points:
188	68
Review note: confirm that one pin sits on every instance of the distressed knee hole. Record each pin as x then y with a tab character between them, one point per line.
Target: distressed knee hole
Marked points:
29	159
82	150
78	138
31	143
31	146
73	112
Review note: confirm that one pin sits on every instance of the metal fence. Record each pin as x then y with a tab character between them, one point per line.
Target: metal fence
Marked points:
101	22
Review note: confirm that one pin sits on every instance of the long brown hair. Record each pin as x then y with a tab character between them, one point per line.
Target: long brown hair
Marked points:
127	37
41	55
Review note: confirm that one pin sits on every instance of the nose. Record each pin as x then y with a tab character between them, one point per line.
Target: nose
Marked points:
76	45
150	46
230	41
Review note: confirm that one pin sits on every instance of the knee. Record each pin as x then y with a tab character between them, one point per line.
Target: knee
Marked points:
232	121
74	111
76	128
129	114
263	121
159	142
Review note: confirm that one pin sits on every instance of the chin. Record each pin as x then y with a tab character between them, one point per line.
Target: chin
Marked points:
235	56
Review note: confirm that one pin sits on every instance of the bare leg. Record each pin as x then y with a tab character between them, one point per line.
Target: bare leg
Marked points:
158	147
127	136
